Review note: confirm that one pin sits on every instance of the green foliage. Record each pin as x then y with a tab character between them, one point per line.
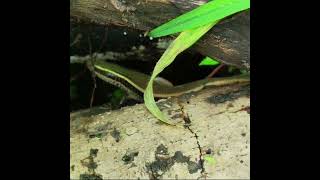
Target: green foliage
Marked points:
193	25
117	97
182	42
207	61
205	14
118	94
210	159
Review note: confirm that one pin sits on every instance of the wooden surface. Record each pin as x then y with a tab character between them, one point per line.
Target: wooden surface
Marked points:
229	41
131	143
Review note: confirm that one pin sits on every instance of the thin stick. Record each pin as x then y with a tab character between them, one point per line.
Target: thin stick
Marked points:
215	70
90	67
93	90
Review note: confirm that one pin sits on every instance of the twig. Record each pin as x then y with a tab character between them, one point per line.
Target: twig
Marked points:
112	56
93	90
76	39
215	70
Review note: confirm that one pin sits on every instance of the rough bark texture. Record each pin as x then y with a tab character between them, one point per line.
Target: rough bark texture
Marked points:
131	143
229	41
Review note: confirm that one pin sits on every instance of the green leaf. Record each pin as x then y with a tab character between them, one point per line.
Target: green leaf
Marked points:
207	61
182	42
202	15
210	159
118	94
117	98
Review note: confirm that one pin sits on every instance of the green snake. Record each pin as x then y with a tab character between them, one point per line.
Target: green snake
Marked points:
134	82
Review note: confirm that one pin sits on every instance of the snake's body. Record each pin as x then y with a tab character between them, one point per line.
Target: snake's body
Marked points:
116	75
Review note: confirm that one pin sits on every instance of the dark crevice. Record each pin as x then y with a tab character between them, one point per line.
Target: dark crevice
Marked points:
199	148
187	124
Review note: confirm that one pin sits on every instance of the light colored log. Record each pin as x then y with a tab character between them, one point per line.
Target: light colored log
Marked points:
131	143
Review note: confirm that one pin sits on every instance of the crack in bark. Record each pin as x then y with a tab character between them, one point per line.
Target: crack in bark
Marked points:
187	121
199	148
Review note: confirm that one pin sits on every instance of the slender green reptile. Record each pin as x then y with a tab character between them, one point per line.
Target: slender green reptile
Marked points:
131	81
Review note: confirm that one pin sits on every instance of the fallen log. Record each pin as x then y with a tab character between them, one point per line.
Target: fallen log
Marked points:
228	41
131	143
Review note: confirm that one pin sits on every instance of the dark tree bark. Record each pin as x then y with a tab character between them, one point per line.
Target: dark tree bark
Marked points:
228	41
